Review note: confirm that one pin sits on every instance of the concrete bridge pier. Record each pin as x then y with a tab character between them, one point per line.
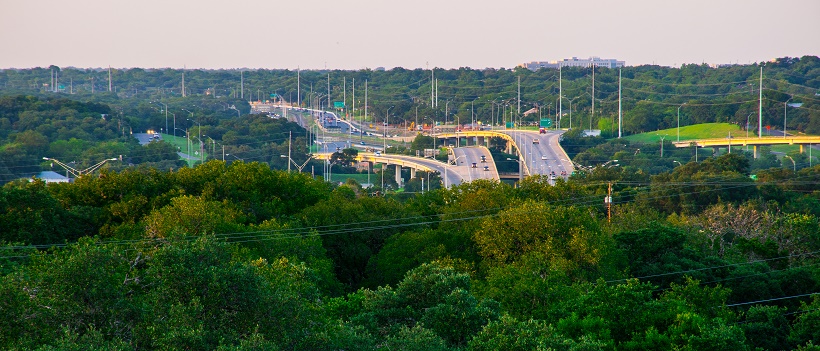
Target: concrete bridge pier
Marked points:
398	175
412	173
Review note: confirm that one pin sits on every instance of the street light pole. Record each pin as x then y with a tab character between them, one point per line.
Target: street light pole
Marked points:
384	130
785	104
794	165
446	166
679	120
199	139
165	106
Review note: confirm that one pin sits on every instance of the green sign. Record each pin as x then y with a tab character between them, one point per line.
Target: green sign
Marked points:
510	125
338	104
273	96
546	122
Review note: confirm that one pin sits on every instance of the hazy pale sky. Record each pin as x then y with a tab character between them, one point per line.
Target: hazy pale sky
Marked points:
356	34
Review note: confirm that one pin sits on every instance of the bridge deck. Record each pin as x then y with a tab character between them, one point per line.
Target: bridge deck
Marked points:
805	140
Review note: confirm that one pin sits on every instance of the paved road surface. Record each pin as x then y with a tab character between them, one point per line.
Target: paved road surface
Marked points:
545	156
472	157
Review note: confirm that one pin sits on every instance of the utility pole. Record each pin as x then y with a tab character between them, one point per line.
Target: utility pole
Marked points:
183	81
519	94
593	96
110	86
242	85
561	95
361	134
608	201
298	87
353	110
432	78
760	108
620	112
344	92
290	136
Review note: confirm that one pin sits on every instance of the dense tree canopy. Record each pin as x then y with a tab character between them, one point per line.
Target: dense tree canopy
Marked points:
718	253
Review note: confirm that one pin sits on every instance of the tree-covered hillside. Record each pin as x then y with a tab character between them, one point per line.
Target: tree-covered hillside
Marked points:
241	257
651	95
695	252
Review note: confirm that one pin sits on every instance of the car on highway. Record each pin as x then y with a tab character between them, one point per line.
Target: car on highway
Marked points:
536	141
378	153
474	165
361	142
483	159
544	157
486	168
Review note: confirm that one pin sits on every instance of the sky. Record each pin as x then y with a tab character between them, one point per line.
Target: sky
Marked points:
359	34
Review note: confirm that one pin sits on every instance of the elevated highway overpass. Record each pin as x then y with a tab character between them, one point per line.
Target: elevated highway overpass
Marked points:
539	153
457	170
728	143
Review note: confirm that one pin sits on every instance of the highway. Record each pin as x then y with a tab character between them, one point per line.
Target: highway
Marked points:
451	174
544	157
472	158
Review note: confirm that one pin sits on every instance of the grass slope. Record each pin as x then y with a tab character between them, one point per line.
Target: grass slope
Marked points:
693	132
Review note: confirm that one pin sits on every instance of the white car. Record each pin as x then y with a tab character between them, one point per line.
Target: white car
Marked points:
544	157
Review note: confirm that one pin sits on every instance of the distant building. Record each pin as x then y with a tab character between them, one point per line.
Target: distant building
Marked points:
574	62
52	177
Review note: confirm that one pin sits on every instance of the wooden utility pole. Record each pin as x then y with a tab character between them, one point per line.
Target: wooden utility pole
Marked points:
608	202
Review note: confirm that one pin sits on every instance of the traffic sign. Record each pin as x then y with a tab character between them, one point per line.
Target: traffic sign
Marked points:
338	104
546	122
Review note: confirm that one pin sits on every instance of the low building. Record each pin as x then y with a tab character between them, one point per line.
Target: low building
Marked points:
52	177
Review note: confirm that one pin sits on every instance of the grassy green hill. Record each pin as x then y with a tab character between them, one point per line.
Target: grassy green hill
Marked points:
697	131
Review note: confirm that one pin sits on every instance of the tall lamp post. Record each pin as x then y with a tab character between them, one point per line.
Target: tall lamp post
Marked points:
446	166
681	105
794	165
165	106
175	125
199	139
384	129
785	104
570	109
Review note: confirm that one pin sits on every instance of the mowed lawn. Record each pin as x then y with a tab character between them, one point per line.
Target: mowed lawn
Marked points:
693	132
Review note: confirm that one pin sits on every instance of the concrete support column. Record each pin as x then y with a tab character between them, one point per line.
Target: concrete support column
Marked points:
754	150
801	148
716	149
398	175
412	173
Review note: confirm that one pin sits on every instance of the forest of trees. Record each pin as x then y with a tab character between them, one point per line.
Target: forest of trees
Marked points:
650	94
241	257
716	253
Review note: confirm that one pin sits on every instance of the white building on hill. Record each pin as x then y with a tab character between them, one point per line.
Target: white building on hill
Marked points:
574	62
